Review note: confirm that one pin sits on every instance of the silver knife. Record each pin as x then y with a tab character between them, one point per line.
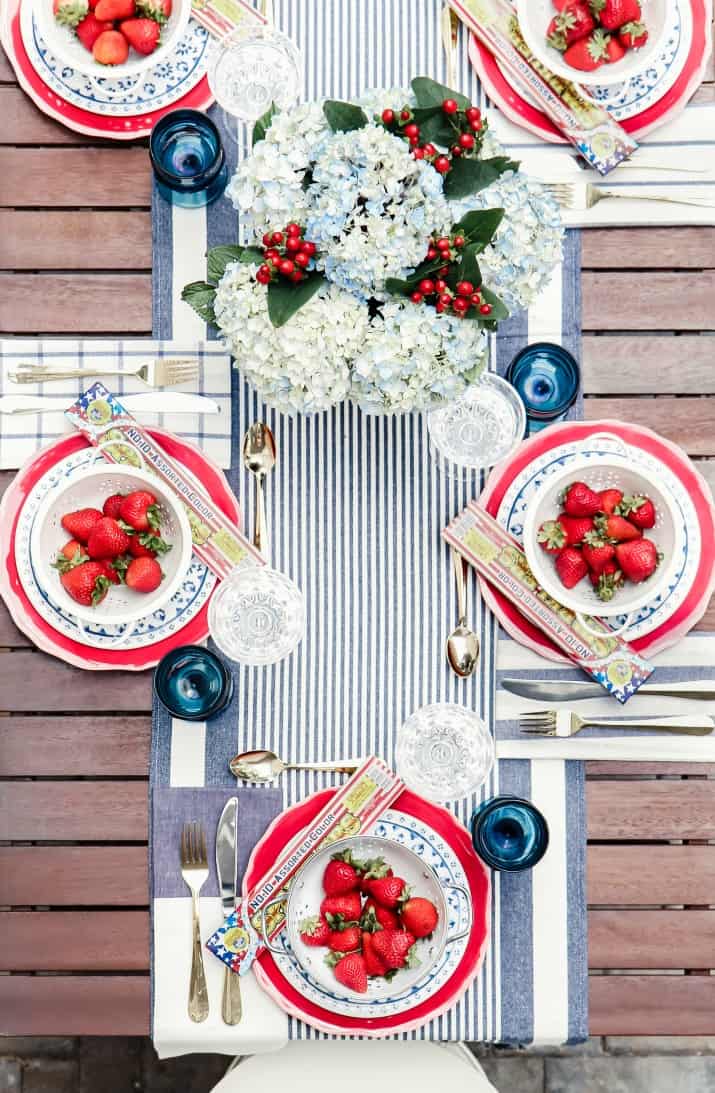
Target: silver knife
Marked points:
148	402
565	691
226	865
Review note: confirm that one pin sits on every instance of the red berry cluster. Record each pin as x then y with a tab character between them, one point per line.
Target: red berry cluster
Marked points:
436	291
286	255
466	123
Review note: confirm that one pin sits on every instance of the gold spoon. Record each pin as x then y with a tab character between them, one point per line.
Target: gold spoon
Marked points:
462	643
265	766
259	457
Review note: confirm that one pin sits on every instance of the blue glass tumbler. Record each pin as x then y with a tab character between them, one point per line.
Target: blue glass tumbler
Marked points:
188	160
547	378
509	833
193	683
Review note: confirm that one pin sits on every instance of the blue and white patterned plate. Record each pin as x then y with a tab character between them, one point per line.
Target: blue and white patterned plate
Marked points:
170	79
435	852
517	497
186	603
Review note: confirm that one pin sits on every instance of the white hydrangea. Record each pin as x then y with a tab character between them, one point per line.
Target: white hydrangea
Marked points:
415	359
302	366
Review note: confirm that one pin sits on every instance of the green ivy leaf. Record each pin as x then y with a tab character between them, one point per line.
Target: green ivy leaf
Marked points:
479	226
430	93
343	116
469	176
218	258
285	298
263	124
201	297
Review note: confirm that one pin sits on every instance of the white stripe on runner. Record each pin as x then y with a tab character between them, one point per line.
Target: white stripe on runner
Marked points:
544	317
189	260
188	751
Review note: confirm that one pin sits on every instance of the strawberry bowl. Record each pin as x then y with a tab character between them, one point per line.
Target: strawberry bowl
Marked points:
89	488
304	899
601	472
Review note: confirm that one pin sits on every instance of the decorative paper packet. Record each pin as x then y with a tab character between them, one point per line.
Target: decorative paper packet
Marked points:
100	416
220	17
598	137
353	810
498	557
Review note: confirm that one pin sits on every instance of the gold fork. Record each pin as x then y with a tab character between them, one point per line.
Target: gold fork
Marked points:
567	723
195	871
580	196
164	372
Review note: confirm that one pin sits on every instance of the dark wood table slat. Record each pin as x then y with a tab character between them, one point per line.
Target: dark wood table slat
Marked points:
101	177
75	746
65	688
688	421
89	941
24	123
101	303
72	240
651	248
74	811
74	1005
624	300
648	1005
652	810
656	875
650	939
73	876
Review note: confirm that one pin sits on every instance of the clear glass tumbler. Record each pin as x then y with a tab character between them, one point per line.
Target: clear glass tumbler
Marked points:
251	68
257	615
479	429
444	752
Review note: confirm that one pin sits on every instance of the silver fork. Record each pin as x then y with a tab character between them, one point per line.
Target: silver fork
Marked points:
580	196
164	372
195	871
567	723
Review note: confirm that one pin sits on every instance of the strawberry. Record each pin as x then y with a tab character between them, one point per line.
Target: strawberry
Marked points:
637	559
143	34
86	583
614	49
617	528
109	571
345	940
575	527
314	931
571	567
393	948
639	510
112	505
612	14
74	551
374	867
88	31
574	21
80	523
111	48
375	917
607	582
596	552
551	536
348	906
373	964
419	916
388	891
115	9
633	35
578	499
610	500
560	4
146	545
352	972
588	54
158	10
143	575
340	875
139	510
69	13
107	539
563	531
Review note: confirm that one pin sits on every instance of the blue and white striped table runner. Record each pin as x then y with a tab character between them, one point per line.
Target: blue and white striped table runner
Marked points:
356	508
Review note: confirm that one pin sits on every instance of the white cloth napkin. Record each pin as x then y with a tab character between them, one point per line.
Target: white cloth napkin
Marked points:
22	435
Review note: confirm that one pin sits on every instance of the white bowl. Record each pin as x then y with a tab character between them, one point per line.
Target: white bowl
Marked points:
535	16
602	472
306	894
66	46
89	489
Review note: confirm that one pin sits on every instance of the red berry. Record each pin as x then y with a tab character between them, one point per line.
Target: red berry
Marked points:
486	309
412	130
405	114
267	239
293	228
475	125
297	275
459	240
426	286
475	299
460	305
271	253
388	116
277	237
414	141
292	244
419	153
301	260
430	150
455	150
309	249
465	288
431	252
443	243
276	260
440	285
466	140
443	270
416	297
263	278
473	114
286	267
445	299
450	106
440	308
442	165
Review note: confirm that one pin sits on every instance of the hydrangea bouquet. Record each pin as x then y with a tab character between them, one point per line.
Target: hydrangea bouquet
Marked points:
384	240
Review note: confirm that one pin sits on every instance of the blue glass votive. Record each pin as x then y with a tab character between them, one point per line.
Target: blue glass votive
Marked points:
193	683
509	833
188	160
547	378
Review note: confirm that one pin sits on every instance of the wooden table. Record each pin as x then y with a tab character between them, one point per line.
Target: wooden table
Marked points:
75	257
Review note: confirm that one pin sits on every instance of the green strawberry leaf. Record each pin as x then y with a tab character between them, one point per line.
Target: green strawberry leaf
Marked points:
285	298
263	124
200	296
469	176
479	226
344	116
430	93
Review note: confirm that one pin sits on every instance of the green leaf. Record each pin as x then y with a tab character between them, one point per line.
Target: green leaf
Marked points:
430	93
263	124
439	131
479	225
344	116
201	297
469	266
398	288
468	176
218	258
499	309
285	298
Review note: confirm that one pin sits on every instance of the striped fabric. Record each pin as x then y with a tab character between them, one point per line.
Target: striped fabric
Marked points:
356	508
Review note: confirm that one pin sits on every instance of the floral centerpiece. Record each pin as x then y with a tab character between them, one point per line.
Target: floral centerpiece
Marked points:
384	241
